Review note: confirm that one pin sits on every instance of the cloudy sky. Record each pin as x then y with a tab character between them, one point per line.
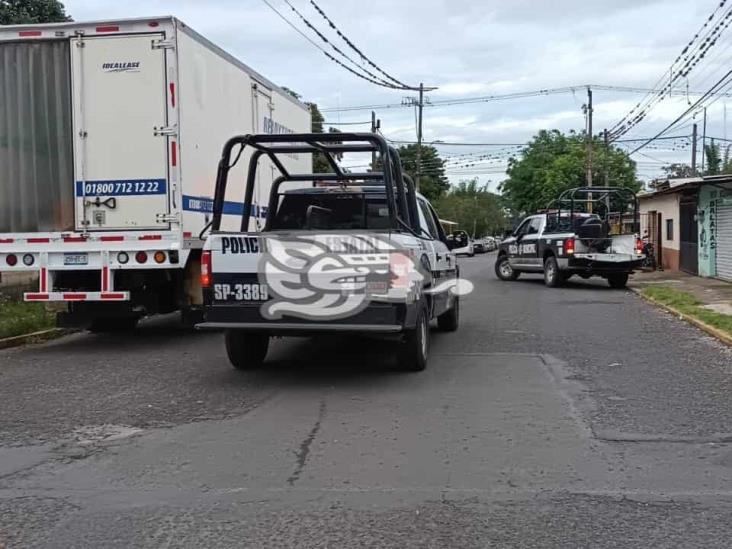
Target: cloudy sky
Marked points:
470	48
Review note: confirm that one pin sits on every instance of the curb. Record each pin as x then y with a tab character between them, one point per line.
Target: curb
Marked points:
711	330
35	337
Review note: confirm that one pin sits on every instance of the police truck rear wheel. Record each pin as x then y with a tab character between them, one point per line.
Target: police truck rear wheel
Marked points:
504	271
415	347
618	281
246	350
553	277
450	319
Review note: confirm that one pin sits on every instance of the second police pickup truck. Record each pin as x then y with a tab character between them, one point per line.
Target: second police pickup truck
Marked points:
340	252
581	236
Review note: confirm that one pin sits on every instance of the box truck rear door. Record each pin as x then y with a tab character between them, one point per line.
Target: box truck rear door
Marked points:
121	164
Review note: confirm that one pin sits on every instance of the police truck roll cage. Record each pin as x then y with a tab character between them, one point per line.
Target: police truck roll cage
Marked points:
399	188
569	201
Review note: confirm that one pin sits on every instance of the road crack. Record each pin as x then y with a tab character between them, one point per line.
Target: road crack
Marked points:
304	451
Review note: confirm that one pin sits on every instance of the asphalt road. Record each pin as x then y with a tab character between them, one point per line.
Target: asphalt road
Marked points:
574	417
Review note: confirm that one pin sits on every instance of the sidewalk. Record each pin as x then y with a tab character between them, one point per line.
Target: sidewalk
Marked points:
715	295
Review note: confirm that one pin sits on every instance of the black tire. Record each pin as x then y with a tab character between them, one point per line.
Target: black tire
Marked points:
414	350
246	350
450	319
504	271
107	325
553	277
618	281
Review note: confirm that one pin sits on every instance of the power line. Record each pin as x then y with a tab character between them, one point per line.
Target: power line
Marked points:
720	83
690	56
327	54
375	79
354	48
501	97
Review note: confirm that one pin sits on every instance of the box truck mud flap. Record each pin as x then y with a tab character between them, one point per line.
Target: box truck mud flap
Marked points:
121	154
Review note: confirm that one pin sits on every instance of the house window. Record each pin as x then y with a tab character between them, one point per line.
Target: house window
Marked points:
669	229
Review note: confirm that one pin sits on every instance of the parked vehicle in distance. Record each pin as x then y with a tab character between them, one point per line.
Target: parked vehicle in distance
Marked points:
461	243
479	246
575	239
134	111
350	252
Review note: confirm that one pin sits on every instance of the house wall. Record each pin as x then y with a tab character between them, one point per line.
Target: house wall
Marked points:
668	206
710	197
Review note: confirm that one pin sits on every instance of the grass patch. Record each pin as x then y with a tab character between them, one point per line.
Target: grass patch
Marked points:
18	318
688	304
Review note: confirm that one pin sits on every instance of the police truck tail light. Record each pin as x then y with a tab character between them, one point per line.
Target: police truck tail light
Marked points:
11	260
206	269
569	246
141	257
638	246
159	257
28	260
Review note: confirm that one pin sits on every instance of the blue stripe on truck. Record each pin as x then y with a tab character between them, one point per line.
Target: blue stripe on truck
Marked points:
204	204
121	187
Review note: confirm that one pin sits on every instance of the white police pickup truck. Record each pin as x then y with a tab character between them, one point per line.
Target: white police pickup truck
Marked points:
339	252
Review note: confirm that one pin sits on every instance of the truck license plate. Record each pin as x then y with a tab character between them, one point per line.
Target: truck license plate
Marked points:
76	259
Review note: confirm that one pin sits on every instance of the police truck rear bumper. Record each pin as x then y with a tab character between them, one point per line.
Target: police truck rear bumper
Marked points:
376	318
601	263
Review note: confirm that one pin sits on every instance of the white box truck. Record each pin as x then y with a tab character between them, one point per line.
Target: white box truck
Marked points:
110	133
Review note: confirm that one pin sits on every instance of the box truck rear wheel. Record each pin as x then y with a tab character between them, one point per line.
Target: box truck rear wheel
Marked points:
246	350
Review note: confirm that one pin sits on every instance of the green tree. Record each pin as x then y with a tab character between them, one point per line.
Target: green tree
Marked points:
554	162
433	182
727	161
678	170
20	12
713	159
476	210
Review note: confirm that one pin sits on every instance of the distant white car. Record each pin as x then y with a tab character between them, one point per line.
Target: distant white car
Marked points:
461	244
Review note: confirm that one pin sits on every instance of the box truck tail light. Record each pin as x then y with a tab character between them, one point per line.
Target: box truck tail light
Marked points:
141	257
159	257
569	246
206	269
11	260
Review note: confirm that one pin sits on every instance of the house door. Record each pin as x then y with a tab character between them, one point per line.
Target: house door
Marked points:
688	237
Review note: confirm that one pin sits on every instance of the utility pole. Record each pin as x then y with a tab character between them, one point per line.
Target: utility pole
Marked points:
606	138
373	130
420	106
704	140
693	150
589	136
